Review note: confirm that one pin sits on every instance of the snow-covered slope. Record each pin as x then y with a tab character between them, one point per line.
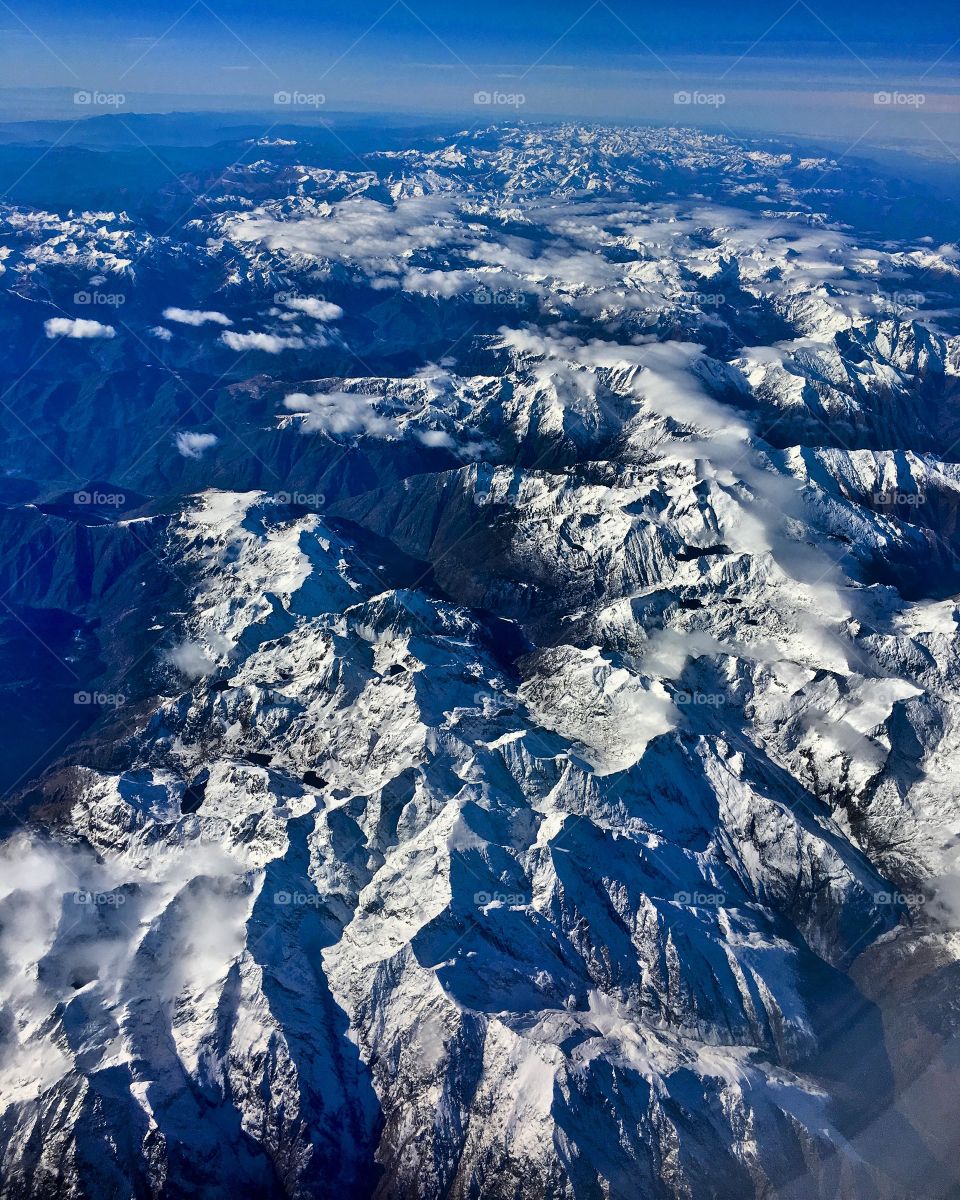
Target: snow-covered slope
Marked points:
546	782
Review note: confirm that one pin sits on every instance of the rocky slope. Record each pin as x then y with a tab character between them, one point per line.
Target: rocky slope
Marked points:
524	755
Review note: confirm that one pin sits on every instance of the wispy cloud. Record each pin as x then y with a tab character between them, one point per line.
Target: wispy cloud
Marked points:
192	316
270	343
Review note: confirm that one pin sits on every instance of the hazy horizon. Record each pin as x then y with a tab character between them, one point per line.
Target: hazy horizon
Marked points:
867	75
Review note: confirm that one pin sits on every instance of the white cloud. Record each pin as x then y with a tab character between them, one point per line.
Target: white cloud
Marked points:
376	238
161	332
71	921
755	506
611	713
439	283
320	310
436	437
192	445
270	343
192	316
192	659
341	412
581	261
77	327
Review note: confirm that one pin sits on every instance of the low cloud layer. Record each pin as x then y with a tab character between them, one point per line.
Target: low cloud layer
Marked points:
77	327
269	343
311	306
191	659
341	413
193	445
192	316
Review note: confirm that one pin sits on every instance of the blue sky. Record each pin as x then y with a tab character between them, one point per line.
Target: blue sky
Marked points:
814	66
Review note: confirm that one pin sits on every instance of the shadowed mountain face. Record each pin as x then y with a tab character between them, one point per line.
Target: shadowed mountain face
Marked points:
480	654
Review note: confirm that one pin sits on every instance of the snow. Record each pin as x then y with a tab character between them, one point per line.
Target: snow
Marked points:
565	918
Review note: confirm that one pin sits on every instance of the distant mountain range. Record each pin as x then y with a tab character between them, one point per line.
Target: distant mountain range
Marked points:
480	667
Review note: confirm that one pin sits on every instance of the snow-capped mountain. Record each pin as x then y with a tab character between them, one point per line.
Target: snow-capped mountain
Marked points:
510	590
